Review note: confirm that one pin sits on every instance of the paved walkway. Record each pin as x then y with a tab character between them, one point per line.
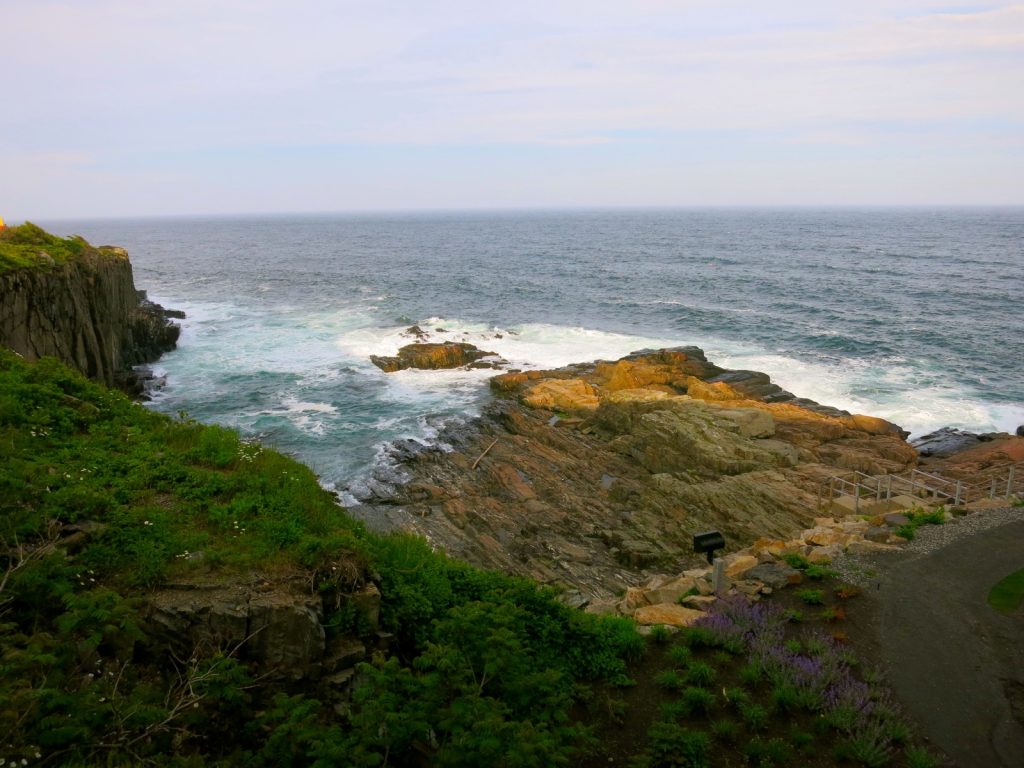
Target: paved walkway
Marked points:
955	664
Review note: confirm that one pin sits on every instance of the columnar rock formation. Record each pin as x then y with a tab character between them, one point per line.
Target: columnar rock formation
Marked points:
85	312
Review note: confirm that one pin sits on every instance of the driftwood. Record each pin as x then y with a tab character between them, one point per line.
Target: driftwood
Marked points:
493	442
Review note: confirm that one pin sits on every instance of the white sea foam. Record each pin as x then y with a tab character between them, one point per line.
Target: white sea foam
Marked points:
271	370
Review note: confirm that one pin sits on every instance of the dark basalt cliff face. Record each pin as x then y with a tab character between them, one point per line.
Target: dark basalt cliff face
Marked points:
86	313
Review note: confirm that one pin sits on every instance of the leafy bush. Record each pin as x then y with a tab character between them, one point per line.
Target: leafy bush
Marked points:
485	666
673	745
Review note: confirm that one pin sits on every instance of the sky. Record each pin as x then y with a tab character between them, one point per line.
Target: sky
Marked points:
113	108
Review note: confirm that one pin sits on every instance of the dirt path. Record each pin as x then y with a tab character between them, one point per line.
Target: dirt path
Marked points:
955	664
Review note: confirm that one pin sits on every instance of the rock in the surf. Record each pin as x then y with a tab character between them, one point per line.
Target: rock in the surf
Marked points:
432	356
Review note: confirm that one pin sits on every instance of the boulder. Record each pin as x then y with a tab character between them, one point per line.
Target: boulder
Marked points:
945	442
820	555
633	599
775	575
671	591
736	566
824	537
672	614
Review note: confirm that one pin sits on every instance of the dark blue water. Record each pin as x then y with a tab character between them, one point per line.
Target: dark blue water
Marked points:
913	315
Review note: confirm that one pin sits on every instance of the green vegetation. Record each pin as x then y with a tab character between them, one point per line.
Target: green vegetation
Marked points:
919	518
101	501
31	246
1008	594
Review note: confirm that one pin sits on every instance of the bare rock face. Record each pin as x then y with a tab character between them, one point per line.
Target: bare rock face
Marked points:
87	314
280	630
278	627
432	356
597	476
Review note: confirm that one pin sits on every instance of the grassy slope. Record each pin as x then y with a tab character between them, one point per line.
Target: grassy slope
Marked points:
483	670
25	246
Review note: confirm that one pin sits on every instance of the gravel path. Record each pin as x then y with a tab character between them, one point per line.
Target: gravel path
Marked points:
956	664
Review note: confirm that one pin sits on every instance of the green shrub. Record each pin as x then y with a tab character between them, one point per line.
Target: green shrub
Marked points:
725	731
812	596
799	562
670	679
818	572
660	634
698	701
672	745
754	715
700	674
679	655
785	698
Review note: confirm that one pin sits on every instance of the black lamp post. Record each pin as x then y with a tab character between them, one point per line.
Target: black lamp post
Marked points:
707	542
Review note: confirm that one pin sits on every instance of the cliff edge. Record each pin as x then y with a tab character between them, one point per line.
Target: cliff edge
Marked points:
64	298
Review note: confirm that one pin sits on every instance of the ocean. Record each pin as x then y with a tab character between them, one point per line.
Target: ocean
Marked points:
913	315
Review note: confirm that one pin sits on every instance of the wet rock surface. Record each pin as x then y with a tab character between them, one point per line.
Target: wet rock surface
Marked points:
435	356
597	476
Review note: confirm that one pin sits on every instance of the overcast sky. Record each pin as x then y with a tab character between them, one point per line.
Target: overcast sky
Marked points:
137	107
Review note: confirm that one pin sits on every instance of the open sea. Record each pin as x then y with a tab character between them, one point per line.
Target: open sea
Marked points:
914	315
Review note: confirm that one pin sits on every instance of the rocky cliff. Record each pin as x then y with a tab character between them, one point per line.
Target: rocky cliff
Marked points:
597	476
84	310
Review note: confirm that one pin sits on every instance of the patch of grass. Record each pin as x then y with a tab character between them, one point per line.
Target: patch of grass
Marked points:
799	562
29	246
670	680
700	674
920	758
660	634
725	731
698	701
669	744
680	655
754	715
1008	594
812	596
819	572
917	519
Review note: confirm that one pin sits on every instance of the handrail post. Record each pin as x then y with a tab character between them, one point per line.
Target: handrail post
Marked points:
959	490
1009	481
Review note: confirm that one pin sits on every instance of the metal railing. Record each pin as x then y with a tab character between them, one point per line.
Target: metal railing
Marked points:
920	484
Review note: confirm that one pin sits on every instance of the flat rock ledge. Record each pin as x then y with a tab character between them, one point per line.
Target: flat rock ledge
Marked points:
760	569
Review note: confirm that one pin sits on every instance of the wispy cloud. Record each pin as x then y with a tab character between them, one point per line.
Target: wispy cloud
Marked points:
119	79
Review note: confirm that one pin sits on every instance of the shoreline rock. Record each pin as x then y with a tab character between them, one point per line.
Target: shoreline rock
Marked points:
595	476
436	356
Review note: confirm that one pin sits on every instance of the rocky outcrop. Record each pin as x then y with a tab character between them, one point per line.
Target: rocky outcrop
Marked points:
86	313
278	629
760	569
597	476
434	356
